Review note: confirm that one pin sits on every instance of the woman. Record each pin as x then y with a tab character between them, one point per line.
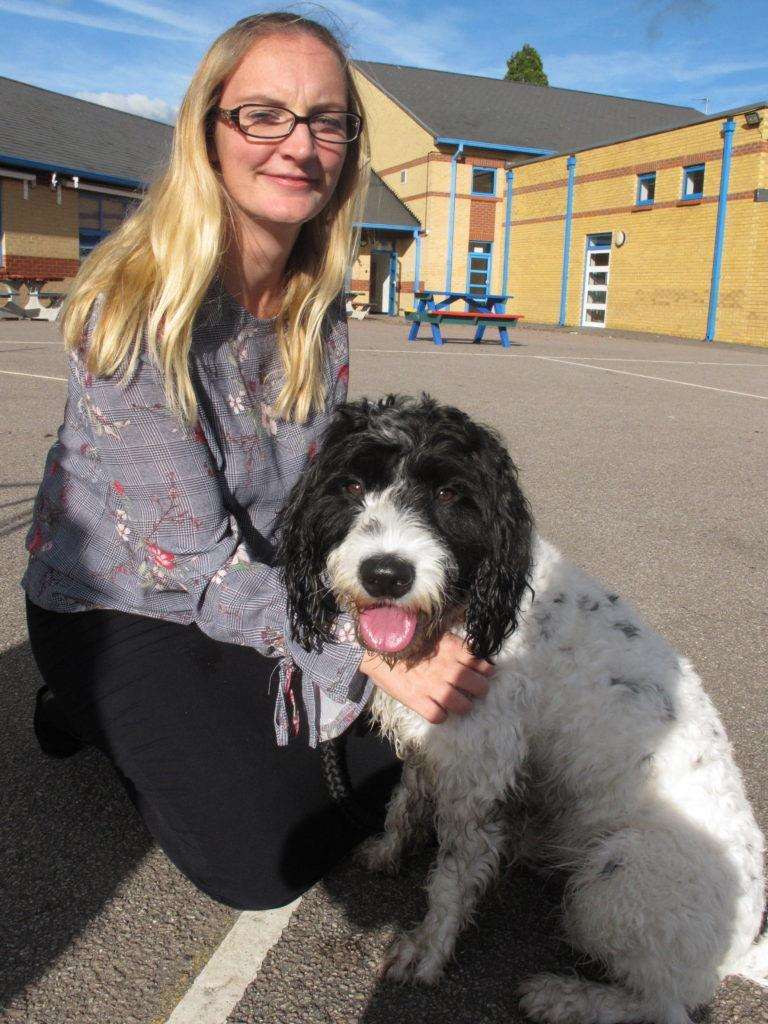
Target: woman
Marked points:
208	348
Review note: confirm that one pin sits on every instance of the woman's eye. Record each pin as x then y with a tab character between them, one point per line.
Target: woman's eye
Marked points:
355	487
445	495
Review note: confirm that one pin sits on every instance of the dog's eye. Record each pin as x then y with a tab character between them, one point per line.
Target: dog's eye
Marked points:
355	487
445	495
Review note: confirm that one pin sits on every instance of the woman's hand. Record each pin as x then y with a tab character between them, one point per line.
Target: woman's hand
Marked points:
446	682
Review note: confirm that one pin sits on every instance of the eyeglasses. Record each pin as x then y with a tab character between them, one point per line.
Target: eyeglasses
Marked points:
278	122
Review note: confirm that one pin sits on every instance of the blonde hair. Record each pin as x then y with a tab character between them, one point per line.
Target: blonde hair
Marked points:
153	272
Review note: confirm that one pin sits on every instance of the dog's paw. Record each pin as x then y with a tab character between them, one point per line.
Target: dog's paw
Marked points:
378	854
411	957
556	999
550	999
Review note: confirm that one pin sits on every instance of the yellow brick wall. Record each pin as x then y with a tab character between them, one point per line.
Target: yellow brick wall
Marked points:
38	226
395	136
660	278
397	139
536	241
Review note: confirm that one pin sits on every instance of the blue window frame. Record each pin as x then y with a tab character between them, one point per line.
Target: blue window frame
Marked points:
646	189
98	216
693	182
483	181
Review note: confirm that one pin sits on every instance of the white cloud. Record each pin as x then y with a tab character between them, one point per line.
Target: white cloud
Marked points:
630	71
52	12
162	15
381	37
133	103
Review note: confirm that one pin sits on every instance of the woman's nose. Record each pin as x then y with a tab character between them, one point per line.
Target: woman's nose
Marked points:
299	142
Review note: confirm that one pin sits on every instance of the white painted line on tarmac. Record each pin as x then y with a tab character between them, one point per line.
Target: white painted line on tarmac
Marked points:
645	376
434	350
221	984
576	360
37	376
674	362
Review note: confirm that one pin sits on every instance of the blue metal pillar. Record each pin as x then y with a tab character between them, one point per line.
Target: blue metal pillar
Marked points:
722	206
571	164
510	177
452	217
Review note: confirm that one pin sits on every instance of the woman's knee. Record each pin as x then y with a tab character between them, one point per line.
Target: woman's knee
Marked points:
270	869
250	894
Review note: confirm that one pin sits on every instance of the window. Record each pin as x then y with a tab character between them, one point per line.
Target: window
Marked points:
646	189
483	181
693	182
98	216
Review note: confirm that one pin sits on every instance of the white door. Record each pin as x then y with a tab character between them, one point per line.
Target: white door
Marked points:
381	281
597	272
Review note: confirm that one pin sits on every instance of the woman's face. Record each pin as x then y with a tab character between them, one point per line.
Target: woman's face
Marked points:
282	181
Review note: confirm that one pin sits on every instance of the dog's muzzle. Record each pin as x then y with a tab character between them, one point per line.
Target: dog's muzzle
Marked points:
386	627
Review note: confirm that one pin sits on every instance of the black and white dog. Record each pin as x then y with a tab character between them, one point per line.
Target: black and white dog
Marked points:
411	518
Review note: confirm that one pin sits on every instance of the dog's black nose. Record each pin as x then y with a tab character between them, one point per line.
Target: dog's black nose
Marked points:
387	576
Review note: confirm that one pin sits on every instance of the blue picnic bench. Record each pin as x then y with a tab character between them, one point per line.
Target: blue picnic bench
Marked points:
483	311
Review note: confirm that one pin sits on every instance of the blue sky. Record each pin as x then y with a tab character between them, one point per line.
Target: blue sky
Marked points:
139	54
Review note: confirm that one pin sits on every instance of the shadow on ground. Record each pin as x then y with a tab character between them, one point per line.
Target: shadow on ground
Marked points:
325	966
68	836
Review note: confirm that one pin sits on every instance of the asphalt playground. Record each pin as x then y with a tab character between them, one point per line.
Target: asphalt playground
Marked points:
646	461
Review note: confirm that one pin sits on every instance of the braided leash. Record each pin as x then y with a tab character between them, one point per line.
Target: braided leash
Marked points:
333	762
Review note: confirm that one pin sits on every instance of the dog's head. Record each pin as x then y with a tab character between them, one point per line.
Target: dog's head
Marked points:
411	518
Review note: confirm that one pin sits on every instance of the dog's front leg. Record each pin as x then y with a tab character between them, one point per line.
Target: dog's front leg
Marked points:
404	822
471	835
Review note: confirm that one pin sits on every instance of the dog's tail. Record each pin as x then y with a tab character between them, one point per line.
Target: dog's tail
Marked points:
754	966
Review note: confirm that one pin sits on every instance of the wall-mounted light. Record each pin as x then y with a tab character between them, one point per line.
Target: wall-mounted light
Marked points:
752	118
620	238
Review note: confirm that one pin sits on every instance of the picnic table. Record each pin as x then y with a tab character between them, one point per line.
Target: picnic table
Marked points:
484	311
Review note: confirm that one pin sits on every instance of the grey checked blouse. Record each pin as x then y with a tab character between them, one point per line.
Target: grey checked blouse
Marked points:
140	514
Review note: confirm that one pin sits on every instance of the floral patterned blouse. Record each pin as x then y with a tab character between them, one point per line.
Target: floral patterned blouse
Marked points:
140	514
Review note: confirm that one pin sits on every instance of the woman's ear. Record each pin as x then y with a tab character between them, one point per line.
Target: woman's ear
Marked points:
502	576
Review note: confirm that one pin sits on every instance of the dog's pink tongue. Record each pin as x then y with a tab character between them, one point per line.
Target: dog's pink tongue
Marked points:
387	628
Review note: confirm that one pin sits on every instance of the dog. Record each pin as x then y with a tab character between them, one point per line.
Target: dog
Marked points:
595	732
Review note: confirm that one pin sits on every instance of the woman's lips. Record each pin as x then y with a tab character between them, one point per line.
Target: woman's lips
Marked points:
296	183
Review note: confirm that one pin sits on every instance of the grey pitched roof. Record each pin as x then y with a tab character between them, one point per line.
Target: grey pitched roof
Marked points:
516	114
383	206
47	130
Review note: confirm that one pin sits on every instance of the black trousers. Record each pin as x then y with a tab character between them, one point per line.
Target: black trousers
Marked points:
188	723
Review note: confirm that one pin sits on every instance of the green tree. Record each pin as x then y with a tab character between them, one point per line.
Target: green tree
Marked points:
526	66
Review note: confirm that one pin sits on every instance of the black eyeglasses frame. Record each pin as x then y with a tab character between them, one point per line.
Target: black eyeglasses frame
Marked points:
233	117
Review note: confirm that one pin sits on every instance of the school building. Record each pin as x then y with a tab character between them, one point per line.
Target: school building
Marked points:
587	210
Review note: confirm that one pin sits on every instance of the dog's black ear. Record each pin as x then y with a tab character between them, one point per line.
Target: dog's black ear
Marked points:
312	609
502	576
302	528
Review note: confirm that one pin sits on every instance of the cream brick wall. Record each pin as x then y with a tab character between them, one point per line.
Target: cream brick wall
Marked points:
38	226
660	279
395	136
